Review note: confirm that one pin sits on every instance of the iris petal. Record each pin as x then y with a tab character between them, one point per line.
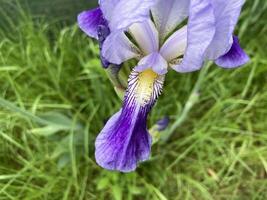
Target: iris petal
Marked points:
154	61
125	141
226	14
167	15
201	29
117	48
234	58
103	32
122	13
146	35
89	21
175	46
107	7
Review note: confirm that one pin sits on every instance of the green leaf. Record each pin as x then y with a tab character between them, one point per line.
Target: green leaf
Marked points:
117	192
103	183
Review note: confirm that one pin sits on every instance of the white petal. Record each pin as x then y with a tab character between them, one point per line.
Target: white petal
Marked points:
117	48
176	44
146	36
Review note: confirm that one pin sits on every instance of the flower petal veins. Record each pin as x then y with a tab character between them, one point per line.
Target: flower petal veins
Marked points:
235	57
89	21
158	34
125	141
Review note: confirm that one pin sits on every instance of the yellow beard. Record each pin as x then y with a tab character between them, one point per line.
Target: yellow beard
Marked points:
144	90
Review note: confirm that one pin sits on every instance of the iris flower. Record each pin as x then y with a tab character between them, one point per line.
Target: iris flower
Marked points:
161	35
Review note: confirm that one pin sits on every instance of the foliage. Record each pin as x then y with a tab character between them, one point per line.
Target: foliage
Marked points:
55	98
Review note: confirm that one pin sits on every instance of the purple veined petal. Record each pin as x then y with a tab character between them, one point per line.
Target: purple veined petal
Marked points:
226	14
201	29
124	141
154	61
89	21
122	13
146	36
167	15
117	48
235	57
175	46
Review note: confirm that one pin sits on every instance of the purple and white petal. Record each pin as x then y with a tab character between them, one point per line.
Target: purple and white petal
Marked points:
102	33
89	21
175	46
117	48
154	61
123	13
235	57
201	29
167	15
146	36
226	14
124	141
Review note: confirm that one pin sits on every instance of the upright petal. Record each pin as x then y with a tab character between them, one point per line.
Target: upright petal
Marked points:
107	7
89	21
201	29
117	48
122	13
167	15
146	36
175	46
234	58
125	141
154	61
226	14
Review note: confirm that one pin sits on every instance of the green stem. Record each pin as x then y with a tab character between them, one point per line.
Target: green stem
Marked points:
116	80
192	100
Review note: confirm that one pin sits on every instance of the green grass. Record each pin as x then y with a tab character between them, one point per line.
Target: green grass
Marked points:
55	97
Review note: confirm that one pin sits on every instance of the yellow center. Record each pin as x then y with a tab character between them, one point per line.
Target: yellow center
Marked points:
145	85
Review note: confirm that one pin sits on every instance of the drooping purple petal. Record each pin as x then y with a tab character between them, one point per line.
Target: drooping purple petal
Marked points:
117	48
201	29
122	13
235	57
125	141
167	15
154	61
146	36
89	21
175	46
226	14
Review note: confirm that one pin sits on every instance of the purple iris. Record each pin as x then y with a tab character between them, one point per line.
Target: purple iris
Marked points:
160	35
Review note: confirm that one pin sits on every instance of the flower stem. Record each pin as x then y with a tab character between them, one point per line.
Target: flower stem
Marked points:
192	100
116	80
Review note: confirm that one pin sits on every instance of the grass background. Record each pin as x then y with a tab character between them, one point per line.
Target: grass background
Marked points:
55	97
